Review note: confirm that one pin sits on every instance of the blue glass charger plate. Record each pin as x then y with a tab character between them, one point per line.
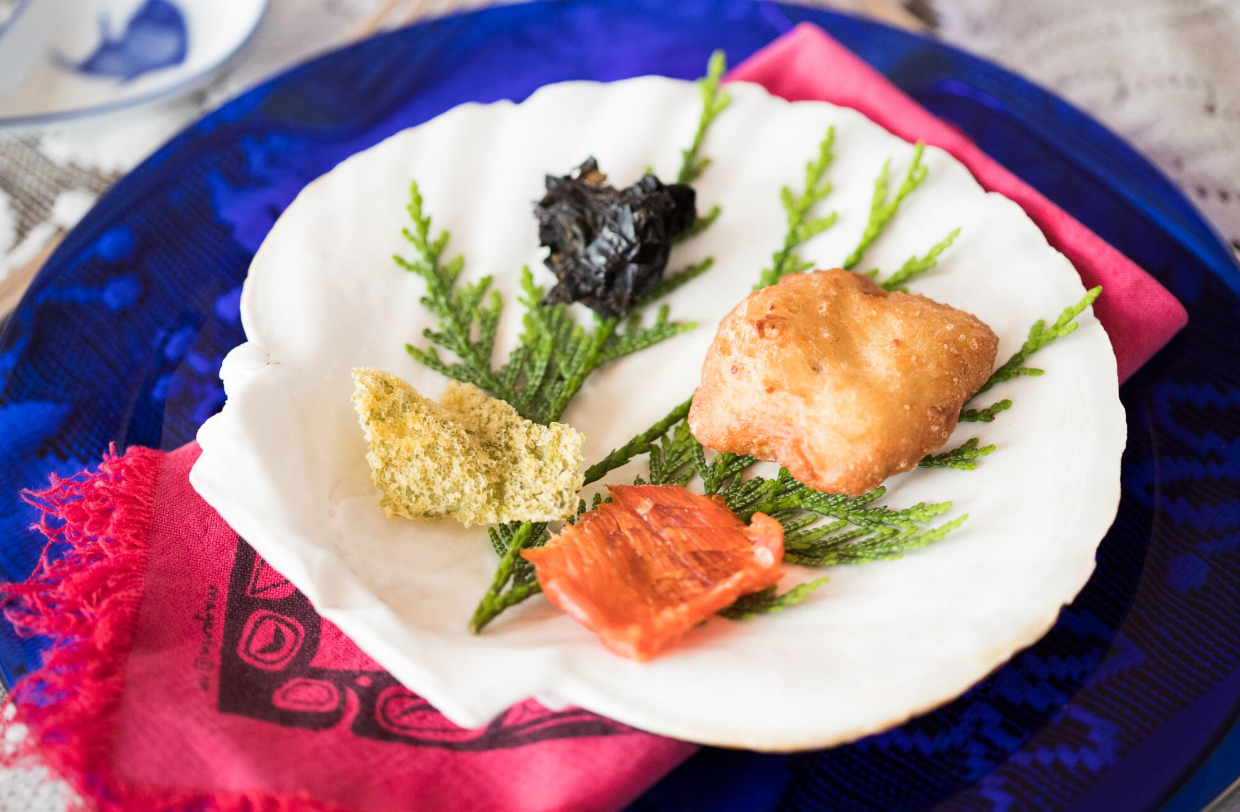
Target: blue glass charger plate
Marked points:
1127	704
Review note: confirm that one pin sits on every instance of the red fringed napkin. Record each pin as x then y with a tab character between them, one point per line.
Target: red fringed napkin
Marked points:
187	674
190	675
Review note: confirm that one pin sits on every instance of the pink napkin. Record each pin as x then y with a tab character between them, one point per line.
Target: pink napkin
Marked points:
1139	314
186	674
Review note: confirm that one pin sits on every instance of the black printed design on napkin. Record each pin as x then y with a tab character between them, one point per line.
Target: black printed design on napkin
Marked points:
268	672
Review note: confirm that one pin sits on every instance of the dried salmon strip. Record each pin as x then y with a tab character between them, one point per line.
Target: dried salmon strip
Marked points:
641	570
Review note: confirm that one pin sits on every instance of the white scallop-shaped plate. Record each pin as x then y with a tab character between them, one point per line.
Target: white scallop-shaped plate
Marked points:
284	461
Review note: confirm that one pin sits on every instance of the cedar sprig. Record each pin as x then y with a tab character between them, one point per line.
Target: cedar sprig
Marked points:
674	281
692	163
511	539
865	545
857	530
916	266
714	101
584	507
555	355
767	601
882	209
798	209
635	337
515	580
722	469
639	445
986	415
670	446
677	457
860	530
784	495
1039	337
1014	367
673	458
461	311
963	457
699	225
798	507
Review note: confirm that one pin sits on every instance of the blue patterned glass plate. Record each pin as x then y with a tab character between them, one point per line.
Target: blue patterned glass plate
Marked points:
1117	708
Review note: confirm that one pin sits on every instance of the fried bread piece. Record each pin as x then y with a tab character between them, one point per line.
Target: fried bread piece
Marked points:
841	382
646	567
470	456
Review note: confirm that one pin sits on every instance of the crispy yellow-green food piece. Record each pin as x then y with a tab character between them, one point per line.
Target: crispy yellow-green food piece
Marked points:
470	456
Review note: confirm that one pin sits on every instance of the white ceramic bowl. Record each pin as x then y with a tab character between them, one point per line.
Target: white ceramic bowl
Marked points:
61	60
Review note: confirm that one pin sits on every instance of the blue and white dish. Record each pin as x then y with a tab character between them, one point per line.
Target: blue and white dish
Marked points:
59	62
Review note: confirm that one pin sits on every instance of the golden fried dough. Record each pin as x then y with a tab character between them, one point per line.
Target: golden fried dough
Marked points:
841	382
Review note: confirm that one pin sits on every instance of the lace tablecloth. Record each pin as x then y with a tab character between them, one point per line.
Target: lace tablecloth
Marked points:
1162	73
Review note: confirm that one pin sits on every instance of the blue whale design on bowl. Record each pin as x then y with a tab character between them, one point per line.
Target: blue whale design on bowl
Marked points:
155	37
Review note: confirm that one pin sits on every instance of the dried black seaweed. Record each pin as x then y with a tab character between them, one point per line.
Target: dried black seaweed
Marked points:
609	247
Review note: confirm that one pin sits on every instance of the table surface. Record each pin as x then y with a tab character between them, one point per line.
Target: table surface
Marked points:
1159	72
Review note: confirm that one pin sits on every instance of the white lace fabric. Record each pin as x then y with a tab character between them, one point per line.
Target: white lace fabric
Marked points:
1164	74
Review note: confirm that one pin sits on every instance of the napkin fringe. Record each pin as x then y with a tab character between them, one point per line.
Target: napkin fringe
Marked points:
85	595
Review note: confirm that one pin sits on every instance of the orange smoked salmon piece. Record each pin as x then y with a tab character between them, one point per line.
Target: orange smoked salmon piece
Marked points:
641	570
